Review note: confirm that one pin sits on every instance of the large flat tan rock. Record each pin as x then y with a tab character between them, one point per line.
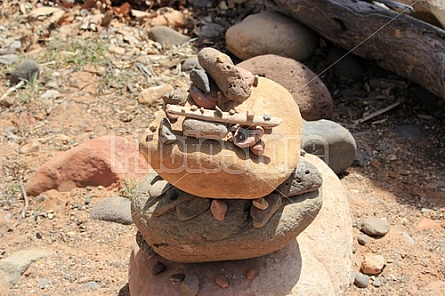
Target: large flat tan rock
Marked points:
218	168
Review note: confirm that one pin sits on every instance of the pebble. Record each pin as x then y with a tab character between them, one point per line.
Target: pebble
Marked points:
50	94
375	226
218	208
361	280
166	36
191	63
228	79
372	264
113	209
305	178
166	135
251	274
211	31
280	35
408	239
363	239
43	283
260	203
9	59
158	268
153	95
260	218
27	71
190	285
31	147
200	79
376	282
158	187
191	208
177	277
222	281
202	99
331	142
177	97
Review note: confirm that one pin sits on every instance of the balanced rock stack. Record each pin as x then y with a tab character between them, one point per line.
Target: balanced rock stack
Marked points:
229	181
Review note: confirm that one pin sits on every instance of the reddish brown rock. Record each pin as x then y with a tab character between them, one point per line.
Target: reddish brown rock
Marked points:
106	161
307	89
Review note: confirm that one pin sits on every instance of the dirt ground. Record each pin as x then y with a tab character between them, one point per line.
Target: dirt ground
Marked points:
399	174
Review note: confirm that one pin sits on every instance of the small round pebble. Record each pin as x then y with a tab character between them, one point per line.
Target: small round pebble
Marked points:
222	281
376	283
375	226
158	268
190	285
251	274
361	280
363	239
177	277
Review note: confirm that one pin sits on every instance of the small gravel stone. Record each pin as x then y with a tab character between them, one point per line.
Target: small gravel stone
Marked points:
200	79
361	280
190	285
190	64
158	188
376	282
113	209
166	36
158	268
43	283
375	226
218	208
9	59
222	281
363	239
50	94
27	71
92	285
260	203
251	274
373	264
177	277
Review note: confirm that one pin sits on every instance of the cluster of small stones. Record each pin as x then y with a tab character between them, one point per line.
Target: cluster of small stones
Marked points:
215	92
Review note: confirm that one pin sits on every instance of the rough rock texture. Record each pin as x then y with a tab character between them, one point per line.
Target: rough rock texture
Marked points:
113	209
331	142
12	267
318	262
106	161
305	178
271	33
227	171
221	68
310	93
204	238
166	36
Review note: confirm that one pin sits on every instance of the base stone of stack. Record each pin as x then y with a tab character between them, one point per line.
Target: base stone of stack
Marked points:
317	262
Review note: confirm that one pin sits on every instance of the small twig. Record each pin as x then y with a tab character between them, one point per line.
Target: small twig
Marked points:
25	197
25	206
12	89
376	113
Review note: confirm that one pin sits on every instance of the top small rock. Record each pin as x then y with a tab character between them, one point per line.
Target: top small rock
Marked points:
375	226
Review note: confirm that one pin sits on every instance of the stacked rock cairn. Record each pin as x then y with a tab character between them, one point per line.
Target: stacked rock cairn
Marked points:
229	181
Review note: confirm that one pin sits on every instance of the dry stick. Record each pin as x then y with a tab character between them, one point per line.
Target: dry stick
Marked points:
11	89
171	206
225	117
376	113
25	206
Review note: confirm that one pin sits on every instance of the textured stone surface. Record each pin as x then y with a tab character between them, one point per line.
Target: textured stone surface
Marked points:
221	68
12	267
375	226
106	161
305	178
26	71
166	36
113	209
331	142
322	251
310	93
227	171
271	33
204	238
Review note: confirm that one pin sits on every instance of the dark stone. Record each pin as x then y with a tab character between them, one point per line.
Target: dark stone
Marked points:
26	71
305	178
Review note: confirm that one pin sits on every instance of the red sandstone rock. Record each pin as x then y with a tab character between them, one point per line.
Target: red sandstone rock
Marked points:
106	161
